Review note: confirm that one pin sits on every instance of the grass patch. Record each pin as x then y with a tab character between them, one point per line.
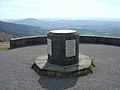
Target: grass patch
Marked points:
4	45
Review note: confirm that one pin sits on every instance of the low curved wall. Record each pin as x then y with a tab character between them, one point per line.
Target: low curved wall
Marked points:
27	41
100	40
36	40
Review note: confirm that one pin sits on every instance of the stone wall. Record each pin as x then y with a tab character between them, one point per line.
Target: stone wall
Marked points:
36	40
27	41
100	40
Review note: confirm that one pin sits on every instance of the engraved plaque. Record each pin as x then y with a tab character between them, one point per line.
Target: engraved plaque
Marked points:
70	48
49	46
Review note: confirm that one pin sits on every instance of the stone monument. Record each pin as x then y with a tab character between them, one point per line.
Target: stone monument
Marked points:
63	58
63	47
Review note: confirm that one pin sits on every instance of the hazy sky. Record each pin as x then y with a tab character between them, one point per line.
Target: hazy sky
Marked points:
59	8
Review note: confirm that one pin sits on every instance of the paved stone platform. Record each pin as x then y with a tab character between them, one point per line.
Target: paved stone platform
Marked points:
44	68
16	72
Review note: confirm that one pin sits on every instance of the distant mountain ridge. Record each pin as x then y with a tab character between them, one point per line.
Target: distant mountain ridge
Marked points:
85	27
28	21
31	27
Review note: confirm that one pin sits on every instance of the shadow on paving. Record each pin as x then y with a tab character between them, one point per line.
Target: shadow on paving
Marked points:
55	83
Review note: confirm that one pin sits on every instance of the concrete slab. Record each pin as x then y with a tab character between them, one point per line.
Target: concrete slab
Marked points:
16	72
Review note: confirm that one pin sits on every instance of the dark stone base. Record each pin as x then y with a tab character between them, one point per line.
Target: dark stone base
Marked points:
44	68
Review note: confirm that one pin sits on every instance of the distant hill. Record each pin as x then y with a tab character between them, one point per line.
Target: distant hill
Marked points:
85	27
29	21
21	30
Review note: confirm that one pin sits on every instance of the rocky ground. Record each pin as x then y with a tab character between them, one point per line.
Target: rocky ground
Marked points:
5	37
